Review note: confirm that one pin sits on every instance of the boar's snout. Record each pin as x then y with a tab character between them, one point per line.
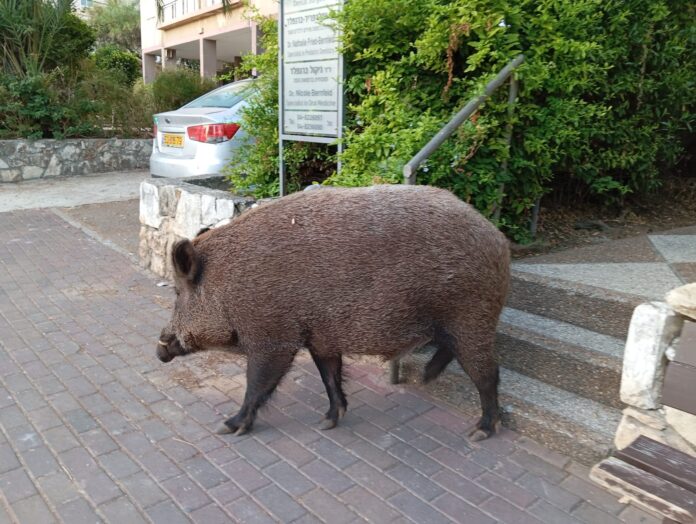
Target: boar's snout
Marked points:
168	347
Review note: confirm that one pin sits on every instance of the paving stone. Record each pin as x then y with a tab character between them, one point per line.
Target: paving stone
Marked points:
332	453
326	476
369	506
118	464
98	442
33	509
159	466
414	458
226	492
372	479
8	459
247	511
460	511
167	512
323	504
415	509
415	482
593	494
78	511
205	473
558	496
255	452
210	514
279	503
370	454
245	475
58	488
121	511
551	514
40	461
143	490
504	488
586	512
505	512
289	478
16	485
186	493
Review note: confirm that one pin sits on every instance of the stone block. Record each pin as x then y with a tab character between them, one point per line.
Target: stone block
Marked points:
224	208
10	175
53	168
208	210
683	423
149	205
32	172
653	327
168	200
187	222
683	300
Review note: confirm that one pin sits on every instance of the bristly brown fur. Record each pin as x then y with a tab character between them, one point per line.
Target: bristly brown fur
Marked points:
380	270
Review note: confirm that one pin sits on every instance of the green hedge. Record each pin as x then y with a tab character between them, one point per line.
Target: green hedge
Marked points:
606	101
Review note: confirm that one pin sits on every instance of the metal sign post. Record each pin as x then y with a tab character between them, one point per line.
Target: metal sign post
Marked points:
310	72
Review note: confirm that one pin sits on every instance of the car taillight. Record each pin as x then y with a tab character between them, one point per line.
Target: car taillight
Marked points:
212	133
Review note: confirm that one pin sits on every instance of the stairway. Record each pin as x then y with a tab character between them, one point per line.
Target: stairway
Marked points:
560	345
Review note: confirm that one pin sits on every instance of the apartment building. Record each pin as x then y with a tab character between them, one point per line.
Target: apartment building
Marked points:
197	30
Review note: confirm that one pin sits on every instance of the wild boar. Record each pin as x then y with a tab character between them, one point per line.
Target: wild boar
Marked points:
379	271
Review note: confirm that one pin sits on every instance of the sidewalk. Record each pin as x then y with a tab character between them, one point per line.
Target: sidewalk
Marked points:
95	428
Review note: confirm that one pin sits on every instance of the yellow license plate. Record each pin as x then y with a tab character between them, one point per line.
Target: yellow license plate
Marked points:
171	140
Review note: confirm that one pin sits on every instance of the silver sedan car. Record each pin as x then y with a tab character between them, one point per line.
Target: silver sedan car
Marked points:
200	138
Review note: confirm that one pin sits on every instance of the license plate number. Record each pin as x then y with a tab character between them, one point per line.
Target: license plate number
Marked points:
172	140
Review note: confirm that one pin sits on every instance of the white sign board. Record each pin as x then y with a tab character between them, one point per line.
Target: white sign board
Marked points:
311	72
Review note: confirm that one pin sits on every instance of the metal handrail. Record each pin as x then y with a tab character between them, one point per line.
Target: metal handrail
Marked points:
412	165
462	116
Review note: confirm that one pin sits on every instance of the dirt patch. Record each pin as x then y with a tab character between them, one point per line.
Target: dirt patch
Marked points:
564	227
118	222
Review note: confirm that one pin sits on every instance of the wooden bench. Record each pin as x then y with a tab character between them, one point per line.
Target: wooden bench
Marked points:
654	476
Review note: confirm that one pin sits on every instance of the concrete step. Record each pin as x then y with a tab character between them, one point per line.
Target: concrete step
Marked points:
563	421
563	355
599	310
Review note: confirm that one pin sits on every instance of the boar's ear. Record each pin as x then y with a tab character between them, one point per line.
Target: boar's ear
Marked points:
186	261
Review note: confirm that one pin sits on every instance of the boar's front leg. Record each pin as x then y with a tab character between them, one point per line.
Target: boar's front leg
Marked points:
330	369
265	369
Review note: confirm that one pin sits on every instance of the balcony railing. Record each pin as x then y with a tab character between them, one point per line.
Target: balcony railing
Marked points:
176	9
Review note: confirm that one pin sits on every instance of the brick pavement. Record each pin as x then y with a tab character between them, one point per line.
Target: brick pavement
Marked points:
94	428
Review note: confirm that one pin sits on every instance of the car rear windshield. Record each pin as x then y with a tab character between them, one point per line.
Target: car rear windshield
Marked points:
227	96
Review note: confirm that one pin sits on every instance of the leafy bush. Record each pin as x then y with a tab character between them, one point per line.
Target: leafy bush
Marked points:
605	108
38	35
255	167
175	87
56	105
123	64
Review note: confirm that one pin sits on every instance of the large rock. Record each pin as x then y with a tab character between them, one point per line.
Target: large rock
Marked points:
653	328
149	205
683	423
683	300
654	424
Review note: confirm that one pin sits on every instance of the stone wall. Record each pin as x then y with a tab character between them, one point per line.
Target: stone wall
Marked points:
652	337
171	210
30	159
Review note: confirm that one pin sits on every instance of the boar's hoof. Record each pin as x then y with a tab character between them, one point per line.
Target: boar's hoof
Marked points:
479	434
328	423
224	429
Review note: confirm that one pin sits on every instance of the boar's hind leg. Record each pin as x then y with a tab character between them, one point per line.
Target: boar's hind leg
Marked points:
330	369
438	363
265	369
474	350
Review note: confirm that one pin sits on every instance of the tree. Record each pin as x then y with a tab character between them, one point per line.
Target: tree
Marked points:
117	22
